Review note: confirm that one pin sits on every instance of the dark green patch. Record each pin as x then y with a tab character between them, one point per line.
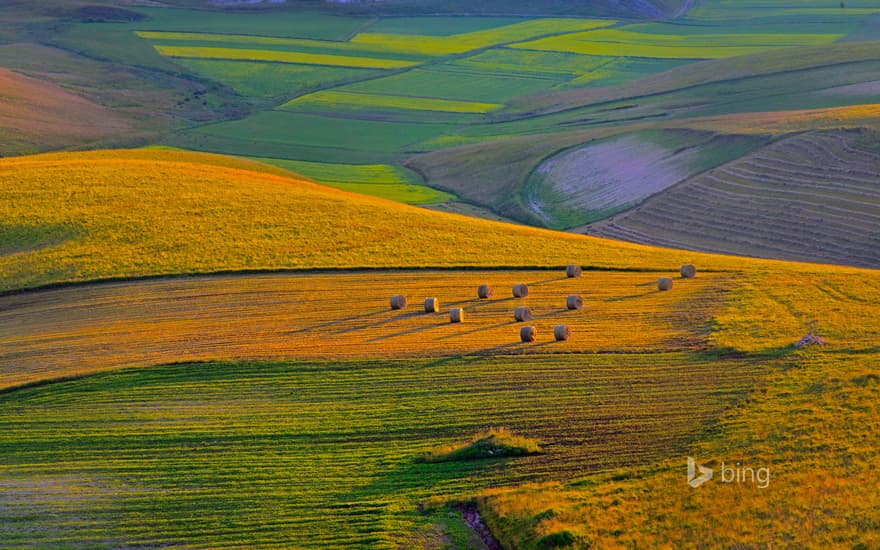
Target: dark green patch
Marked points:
560	539
866	380
22	238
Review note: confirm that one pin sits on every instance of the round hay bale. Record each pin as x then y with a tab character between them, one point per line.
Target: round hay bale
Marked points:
432	305
398	301
456	315
485	292
528	334
575	303
561	333
688	271
664	283
573	271
522	314
520	291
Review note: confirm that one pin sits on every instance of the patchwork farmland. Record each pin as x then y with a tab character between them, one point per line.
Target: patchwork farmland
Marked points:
210	351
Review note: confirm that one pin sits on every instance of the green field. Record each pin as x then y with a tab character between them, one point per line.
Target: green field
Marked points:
326	453
439	25
365	101
316	131
460	43
450	84
378	180
259	80
199	52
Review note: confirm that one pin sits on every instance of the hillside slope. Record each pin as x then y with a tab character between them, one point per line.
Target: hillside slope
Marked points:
84	216
35	115
812	197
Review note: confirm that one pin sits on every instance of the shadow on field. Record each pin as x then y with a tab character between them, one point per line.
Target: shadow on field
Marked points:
412	330
476	330
633	296
547	281
377	324
337	321
410	475
551	313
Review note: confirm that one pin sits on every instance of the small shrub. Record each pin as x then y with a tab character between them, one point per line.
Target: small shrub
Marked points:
492	443
560	539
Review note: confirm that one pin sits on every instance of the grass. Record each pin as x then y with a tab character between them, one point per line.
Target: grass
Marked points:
302	58
722	70
809	425
276	23
349	394
456	85
270	43
439	25
488	444
315	131
340	100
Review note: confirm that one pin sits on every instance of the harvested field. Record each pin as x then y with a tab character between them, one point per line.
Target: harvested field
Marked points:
813	197
81	329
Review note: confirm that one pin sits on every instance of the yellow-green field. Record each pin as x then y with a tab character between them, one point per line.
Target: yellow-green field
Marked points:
459	43
616	42
303	58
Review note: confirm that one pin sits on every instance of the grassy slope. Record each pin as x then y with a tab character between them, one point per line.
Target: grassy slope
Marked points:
114	198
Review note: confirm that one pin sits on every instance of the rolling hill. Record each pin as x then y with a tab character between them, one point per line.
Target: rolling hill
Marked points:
152	212
306	404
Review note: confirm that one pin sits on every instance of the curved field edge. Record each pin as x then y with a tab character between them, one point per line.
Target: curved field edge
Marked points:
155	212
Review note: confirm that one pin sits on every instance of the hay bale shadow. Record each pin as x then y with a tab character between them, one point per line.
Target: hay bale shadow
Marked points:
336	322
409	331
